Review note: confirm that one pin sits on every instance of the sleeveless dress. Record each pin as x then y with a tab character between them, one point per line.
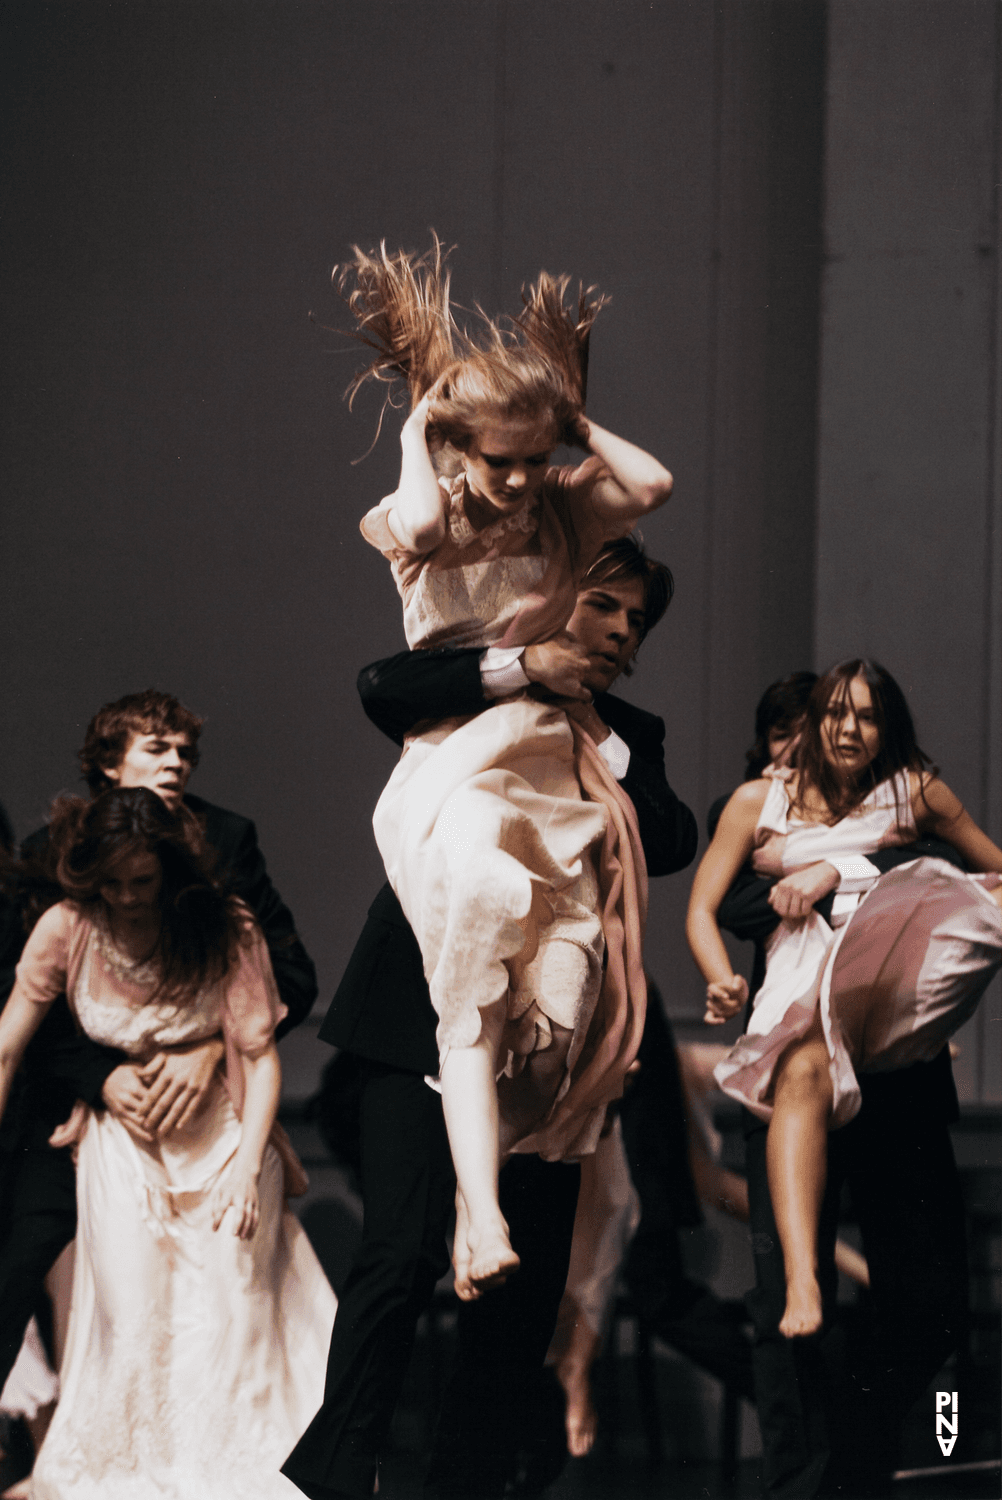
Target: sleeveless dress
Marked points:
900	969
194	1360
513	851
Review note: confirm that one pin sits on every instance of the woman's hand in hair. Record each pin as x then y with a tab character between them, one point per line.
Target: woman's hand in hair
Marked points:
724	999
577	432
794	896
422	418
632	483
417	514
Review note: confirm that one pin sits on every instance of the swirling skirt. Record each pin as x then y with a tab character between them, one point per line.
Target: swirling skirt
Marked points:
893	985
517	860
194	1360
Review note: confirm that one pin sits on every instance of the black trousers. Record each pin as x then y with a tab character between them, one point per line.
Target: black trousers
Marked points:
503	1337
38	1191
408	1189
831	1412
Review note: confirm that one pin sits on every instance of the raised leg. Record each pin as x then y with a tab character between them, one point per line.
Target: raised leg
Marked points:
492	1397
797	1160
483	1257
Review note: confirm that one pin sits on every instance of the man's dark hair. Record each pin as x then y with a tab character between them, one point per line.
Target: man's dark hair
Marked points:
626	558
113	726
781	706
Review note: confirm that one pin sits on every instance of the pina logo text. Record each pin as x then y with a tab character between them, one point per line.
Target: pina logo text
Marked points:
946	1420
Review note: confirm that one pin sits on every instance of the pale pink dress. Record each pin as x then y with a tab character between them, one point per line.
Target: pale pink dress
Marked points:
194	1360
902	967
514	852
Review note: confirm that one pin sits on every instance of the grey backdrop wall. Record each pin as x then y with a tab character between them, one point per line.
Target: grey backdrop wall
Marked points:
909	517
181	502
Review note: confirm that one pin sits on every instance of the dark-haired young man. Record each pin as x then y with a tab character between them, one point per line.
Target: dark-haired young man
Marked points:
383	1015
145	739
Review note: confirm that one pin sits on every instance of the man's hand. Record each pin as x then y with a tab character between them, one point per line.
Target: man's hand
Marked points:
125	1096
559	665
177	1083
724	999
794	896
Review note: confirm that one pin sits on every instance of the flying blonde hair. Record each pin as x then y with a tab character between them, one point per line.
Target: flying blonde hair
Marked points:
531	366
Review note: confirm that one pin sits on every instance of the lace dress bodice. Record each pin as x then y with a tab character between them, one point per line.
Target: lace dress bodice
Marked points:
110	1000
510	583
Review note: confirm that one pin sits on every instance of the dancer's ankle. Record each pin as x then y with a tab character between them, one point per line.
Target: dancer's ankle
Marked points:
804	1312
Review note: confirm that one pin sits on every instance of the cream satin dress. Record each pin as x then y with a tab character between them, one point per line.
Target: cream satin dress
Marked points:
514	852
903	965
194	1360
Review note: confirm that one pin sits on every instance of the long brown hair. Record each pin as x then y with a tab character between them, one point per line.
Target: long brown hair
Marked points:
899	749
530	366
199	927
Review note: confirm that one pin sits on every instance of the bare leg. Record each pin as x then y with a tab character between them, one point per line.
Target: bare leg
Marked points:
796	1154
483	1255
576	1345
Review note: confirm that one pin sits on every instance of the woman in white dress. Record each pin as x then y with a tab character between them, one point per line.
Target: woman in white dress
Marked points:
514	852
903	964
200	1315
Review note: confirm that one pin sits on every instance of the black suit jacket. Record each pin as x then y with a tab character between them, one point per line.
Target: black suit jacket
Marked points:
61	1064
382	1009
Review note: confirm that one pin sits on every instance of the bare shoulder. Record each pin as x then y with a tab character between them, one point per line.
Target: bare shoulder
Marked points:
743	809
749	798
931	796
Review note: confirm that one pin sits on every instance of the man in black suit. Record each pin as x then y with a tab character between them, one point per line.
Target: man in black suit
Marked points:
831	1419
383	1015
145	739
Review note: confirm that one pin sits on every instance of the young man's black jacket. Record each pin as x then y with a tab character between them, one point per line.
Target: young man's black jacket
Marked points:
382	1010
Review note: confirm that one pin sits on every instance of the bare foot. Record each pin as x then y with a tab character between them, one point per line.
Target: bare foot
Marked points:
803	1309
492	1258
19	1491
580	1416
461	1255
